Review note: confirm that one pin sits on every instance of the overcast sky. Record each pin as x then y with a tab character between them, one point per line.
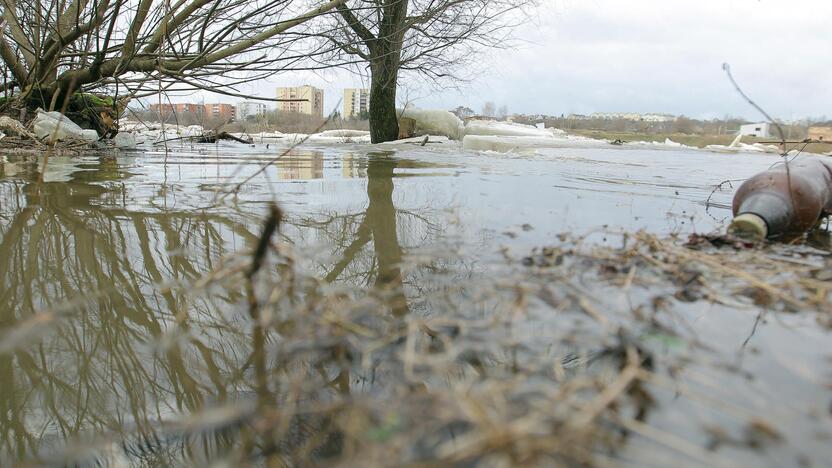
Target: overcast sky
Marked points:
588	56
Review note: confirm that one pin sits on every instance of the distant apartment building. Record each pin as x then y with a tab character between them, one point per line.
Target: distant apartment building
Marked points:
182	109
356	102
224	112
762	129
310	100
656	117
253	109
634	116
616	116
820	133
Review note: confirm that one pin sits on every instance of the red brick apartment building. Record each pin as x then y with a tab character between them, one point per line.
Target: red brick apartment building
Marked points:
224	112
166	110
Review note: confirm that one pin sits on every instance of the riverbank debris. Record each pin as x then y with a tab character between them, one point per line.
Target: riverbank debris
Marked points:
47	129
11	127
213	136
462	388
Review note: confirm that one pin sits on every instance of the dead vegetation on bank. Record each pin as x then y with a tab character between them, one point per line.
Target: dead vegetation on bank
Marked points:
69	147
535	367
716	268
18	138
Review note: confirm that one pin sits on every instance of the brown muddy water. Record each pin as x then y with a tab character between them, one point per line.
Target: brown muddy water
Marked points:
418	306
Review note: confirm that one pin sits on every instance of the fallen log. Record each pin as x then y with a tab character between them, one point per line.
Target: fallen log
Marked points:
213	137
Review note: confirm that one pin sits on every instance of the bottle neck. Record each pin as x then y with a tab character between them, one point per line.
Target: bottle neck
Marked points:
772	207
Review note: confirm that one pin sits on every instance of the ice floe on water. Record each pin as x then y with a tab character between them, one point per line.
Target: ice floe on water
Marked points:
737	146
335	137
495	128
441	127
144	133
666	144
434	122
510	137
523	144
262	137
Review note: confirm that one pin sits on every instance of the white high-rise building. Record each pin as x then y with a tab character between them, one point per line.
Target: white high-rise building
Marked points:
250	108
304	99
356	102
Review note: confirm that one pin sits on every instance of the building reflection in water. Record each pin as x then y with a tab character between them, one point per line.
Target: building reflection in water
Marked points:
301	165
309	165
353	167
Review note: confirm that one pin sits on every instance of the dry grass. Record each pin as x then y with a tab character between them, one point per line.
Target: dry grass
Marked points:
27	146
526	369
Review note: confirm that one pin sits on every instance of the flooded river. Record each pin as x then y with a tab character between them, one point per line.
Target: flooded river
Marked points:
402	313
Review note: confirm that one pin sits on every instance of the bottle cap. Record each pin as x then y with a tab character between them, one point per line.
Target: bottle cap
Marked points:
749	226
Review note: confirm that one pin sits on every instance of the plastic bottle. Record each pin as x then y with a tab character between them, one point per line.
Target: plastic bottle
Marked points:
783	200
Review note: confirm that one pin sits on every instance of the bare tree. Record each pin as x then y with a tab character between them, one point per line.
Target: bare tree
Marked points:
684	124
463	112
434	38
489	109
53	48
502	112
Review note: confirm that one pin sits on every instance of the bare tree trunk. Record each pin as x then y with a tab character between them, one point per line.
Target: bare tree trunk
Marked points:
431	38
384	124
384	68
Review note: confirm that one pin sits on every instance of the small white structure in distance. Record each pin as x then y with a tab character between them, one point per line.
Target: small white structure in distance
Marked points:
762	130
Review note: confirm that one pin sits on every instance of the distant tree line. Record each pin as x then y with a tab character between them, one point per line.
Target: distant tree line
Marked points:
681	125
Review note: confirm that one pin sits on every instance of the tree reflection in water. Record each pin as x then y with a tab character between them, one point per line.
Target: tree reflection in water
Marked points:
378	224
117	317
131	333
126	331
